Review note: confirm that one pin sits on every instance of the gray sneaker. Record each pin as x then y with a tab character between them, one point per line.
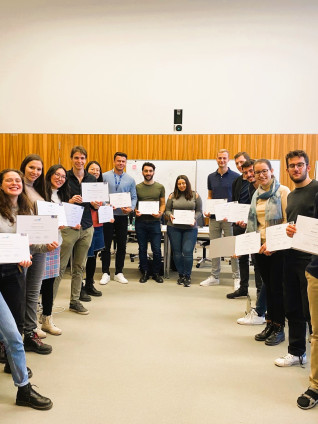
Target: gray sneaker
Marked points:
77	307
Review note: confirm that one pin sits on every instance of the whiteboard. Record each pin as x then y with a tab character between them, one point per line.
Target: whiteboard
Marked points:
166	172
207	166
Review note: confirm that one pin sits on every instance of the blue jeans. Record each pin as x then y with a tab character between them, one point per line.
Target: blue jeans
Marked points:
149	231
182	243
11	338
261	302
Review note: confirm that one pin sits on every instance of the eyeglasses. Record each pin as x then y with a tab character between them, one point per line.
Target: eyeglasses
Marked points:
59	176
263	171
298	165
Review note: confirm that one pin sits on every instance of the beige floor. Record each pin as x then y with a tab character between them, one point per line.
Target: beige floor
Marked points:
160	354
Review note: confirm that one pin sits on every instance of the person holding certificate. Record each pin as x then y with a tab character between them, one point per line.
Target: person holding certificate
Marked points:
268	207
78	239
183	236
57	191
220	187
32	168
310	397
299	202
98	244
118	182
150	194
13	202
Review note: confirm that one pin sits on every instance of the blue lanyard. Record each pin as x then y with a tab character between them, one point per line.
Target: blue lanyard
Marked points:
117	183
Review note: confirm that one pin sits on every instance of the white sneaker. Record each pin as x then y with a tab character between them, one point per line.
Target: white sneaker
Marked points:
252	318
237	283
105	279
120	278
41	334
289	360
210	281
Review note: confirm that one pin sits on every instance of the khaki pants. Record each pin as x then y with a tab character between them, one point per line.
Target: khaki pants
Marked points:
79	242
313	308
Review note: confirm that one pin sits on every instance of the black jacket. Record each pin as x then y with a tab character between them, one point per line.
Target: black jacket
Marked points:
75	188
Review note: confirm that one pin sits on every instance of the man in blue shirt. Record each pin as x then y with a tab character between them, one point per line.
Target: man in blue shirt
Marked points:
220	187
118	182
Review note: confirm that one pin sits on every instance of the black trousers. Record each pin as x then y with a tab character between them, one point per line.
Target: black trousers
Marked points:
120	228
47	296
13	290
296	300
271	270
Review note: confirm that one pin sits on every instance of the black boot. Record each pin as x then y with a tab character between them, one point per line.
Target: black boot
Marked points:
7	370
84	297
261	337
27	396
90	289
32	343
157	278
277	336
3	355
144	278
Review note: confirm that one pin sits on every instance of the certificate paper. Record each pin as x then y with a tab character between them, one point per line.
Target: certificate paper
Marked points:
248	243
105	214
238	212
277	239
244	244
73	214
92	192
50	208
222	210
14	248
40	229
120	200
148	208
306	237
185	217
210	205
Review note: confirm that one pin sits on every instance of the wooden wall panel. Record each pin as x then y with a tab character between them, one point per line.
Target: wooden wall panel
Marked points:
55	148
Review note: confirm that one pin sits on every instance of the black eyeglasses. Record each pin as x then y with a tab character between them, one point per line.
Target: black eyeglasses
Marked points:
298	165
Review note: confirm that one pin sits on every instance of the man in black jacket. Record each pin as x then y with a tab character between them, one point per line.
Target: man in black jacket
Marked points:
78	238
242	192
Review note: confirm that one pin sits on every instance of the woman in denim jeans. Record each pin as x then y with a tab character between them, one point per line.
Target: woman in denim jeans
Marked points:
183	236
11	338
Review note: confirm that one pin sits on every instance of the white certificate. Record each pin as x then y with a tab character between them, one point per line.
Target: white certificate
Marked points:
185	217
222	210
50	208
238	212
148	208
105	214
14	248
277	239
95	192
248	243
306	237
120	200
73	214
223	246
40	229
210	205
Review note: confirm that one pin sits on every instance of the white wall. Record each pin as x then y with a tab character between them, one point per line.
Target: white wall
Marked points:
106	66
